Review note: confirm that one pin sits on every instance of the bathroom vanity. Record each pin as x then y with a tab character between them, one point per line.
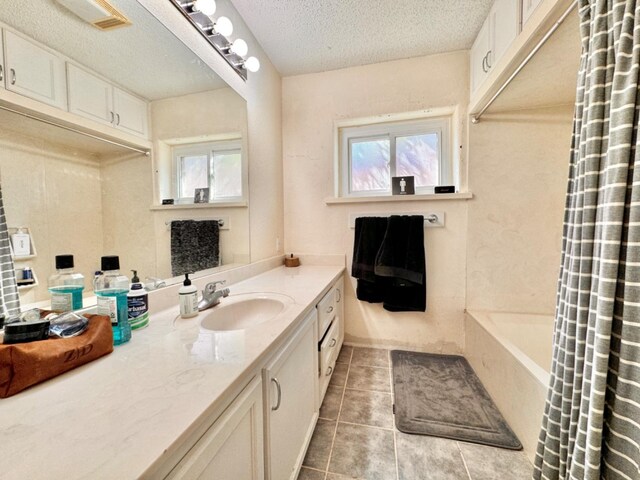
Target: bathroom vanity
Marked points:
182	401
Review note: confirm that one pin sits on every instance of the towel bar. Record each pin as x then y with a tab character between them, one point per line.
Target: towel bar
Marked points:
223	222
431	219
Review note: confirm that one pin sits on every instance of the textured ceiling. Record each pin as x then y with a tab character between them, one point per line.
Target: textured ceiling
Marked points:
305	36
145	58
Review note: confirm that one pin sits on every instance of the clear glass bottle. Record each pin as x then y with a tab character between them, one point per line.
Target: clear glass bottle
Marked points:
66	286
111	289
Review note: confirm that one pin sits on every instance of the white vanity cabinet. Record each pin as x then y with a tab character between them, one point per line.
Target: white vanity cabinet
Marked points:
33	71
290	402
500	28
232	449
92	97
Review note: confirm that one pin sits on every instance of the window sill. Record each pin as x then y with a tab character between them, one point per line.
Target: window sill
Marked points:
399	198
192	206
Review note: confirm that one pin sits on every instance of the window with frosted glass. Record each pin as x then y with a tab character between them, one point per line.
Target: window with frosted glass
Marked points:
371	154
227	174
370	165
194	173
418	155
217	166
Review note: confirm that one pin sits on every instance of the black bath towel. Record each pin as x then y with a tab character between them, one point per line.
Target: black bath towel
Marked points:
401	260
369	234
195	246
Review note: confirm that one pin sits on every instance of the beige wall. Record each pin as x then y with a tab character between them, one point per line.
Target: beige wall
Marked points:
311	104
518	175
56	193
127	192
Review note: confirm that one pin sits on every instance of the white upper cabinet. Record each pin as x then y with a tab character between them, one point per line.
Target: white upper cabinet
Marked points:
499	30
97	99
130	113
89	95
32	71
528	6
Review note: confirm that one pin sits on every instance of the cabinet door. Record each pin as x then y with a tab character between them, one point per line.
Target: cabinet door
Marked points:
89	96
33	71
504	28
479	52
528	7
130	113
290	405
232	449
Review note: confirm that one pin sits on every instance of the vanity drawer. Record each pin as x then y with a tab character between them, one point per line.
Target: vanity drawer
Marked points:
326	311
329	350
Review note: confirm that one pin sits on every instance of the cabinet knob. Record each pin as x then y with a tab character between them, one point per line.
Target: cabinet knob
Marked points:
329	371
117	119
112	117
333	342
488	57
1	73
279	390
339	294
484	64
13	76
330	309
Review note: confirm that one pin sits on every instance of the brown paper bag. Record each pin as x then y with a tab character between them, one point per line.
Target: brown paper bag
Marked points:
25	364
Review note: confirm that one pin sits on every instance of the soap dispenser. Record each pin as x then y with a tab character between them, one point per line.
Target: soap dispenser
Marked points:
188	298
137	303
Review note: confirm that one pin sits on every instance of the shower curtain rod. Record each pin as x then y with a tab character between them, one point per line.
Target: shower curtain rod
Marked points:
475	118
71	129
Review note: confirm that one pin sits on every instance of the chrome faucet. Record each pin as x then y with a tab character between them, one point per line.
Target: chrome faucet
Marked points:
211	296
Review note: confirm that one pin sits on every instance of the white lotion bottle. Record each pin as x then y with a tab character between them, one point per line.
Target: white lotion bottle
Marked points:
188	298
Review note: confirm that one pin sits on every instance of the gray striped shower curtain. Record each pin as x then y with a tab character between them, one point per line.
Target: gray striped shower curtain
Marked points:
591	425
9	298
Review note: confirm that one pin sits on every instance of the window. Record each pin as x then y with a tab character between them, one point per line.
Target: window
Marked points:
370	154
216	166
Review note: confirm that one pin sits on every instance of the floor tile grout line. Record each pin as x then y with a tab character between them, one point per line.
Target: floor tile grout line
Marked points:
464	461
393	420
335	432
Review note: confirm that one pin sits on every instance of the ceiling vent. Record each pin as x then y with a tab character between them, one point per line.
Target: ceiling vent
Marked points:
99	13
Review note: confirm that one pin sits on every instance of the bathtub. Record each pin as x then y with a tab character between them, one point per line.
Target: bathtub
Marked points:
511	354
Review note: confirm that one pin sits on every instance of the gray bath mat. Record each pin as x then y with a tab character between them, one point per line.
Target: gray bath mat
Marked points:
440	395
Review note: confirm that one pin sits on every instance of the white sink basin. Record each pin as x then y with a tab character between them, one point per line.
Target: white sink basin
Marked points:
243	311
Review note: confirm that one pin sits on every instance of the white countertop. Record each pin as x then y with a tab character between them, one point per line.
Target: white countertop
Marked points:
117	416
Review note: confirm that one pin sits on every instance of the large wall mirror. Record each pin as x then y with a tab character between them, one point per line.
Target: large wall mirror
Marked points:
79	195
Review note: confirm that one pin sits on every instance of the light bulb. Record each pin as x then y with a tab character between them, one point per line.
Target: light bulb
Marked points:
252	64
239	47
208	7
224	26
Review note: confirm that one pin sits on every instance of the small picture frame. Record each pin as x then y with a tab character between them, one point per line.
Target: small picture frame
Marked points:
201	195
403	185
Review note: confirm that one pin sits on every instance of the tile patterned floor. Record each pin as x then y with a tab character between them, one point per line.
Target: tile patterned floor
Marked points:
356	438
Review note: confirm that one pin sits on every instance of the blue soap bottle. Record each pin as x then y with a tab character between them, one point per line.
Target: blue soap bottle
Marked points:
65	286
111	290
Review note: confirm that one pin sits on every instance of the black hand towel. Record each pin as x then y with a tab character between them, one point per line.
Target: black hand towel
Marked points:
195	246
401	259
369	234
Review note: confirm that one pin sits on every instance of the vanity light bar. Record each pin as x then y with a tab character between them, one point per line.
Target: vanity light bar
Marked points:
232	52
